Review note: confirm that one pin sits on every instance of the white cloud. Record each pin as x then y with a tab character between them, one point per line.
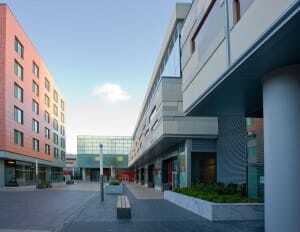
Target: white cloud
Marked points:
111	92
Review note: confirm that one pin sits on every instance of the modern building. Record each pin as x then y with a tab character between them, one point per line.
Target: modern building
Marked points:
32	110
240	58
71	171
170	150
115	157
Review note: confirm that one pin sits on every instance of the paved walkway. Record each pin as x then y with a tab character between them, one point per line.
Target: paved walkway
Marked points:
144	193
78	209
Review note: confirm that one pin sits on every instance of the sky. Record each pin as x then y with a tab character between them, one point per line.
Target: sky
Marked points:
101	54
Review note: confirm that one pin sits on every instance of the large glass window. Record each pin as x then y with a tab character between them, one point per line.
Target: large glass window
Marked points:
55	124
210	30
55	110
55	95
18	115
18	69
239	7
19	48
62	105
56	155
18	138
18	92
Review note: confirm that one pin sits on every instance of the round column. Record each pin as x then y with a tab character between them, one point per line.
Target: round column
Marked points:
281	102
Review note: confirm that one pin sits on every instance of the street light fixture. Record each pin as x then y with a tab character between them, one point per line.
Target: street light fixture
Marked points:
101	172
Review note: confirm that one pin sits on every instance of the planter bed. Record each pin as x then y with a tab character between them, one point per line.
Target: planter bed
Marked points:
217	211
113	189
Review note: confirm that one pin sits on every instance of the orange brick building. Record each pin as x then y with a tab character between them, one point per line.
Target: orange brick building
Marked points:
32	110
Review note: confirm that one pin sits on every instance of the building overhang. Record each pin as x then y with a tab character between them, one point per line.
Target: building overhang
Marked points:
163	144
240	87
13	156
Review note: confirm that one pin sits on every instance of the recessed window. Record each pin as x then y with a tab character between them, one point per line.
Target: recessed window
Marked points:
18	138
47	100
18	115
47	84
55	124
55	110
18	92
35	126
62	117
35	107
62	105
63	155
35	88
35	69
62	142
62	130
35	144
55	138
47	149
19	48
55	95
56	153
47	133
19	71
47	117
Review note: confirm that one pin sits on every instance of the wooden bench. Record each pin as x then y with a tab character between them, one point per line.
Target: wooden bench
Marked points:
123	208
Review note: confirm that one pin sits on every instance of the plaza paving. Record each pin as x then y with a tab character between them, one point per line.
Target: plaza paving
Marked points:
78	208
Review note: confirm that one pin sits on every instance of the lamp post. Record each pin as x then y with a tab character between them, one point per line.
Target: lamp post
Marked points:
101	172
36	173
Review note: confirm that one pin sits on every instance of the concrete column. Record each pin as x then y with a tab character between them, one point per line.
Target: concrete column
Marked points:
2	176
188	161
146	175
83	174
232	149
281	101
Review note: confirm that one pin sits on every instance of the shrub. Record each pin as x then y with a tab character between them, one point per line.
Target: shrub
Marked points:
217	192
43	184
114	182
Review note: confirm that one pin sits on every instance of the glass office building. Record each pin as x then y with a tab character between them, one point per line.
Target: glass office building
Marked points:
115	155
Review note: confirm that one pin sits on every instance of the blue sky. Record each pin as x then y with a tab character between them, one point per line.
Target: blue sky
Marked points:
101	54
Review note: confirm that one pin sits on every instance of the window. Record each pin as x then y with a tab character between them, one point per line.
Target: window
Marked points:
62	105
47	84
47	133
55	110
18	138
63	155
55	138
35	144
55	124
62	117
35	107
47	117
18	115
19	48
55	95
56	153
236	11
62	130
19	70
47	100
62	142
47	149
152	114
35	126
35	69
18	92
35	88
